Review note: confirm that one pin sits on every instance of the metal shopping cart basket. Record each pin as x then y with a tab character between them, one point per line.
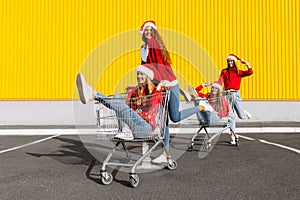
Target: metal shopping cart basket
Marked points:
111	116
213	128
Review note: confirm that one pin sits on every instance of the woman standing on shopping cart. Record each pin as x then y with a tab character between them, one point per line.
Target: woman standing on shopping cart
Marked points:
155	52
231	78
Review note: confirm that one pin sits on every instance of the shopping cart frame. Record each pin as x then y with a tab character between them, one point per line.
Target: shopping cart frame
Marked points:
157	139
223	124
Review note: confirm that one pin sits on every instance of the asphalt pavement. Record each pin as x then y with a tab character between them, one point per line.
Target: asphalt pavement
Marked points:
264	166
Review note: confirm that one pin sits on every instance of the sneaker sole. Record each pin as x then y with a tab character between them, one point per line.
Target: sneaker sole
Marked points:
157	162
192	91
80	89
185	95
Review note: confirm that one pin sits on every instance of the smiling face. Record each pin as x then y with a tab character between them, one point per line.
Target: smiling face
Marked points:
148	32
230	62
214	90
141	78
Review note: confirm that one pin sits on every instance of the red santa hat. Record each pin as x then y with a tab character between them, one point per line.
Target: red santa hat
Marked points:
217	85
147	23
149	70
233	57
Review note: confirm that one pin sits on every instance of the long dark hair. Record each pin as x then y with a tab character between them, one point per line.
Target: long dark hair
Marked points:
234	68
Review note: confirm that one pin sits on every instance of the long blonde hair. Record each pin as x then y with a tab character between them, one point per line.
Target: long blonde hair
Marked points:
165	54
216	100
143	91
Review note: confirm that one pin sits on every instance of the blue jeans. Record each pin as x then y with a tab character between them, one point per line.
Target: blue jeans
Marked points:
237	108
174	113
140	128
207	117
174	103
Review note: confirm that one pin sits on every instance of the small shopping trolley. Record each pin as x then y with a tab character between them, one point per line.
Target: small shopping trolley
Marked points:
213	128
113	113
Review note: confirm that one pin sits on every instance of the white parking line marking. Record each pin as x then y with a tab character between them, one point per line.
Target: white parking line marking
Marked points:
28	144
13	132
271	143
247	138
280	145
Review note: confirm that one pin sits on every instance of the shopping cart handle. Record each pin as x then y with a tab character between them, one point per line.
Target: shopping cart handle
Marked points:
199	99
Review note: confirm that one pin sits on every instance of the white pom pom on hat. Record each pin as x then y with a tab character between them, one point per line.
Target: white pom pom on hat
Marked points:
150	23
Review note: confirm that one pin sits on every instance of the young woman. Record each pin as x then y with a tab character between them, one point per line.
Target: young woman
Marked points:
154	51
139	111
231	78
219	104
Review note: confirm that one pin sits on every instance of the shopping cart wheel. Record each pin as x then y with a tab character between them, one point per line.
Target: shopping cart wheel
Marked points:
237	143
106	178
190	147
172	165
207	146
134	180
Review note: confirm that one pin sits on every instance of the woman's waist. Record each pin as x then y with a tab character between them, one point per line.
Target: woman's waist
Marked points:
231	89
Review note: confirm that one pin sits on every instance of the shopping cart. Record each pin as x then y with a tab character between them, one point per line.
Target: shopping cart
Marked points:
109	122
213	129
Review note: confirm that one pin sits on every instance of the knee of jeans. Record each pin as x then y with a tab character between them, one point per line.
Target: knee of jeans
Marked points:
241	116
117	96
175	118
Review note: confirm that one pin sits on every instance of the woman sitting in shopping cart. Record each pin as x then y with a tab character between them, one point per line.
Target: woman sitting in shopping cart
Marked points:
220	106
137	114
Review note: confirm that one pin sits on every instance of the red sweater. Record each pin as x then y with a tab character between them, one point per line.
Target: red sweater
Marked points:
223	108
233	80
200	94
146	109
152	55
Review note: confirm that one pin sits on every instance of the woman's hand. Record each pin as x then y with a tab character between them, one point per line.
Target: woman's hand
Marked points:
246	63
206	84
161	85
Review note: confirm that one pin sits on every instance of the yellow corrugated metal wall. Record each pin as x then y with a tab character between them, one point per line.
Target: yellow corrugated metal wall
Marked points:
44	43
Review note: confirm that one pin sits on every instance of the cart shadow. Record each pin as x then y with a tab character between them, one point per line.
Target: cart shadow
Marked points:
73	152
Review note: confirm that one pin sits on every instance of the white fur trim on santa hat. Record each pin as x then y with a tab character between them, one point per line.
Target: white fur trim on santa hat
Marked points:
217	85
233	57
146	71
147	23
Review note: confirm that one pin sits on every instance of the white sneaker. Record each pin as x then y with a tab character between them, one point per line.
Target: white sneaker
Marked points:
192	91
126	134
186	95
233	139
160	159
85	91
248	115
207	106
